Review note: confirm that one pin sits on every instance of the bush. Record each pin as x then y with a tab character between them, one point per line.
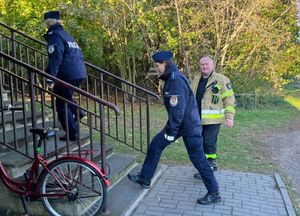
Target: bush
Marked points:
258	101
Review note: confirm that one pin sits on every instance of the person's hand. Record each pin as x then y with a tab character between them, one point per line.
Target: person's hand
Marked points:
169	138
228	123
49	83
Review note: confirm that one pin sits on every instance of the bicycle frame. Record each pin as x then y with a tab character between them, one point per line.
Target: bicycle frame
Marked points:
26	187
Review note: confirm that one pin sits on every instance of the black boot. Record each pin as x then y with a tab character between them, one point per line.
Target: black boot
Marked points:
210	198
72	138
82	115
213	164
138	179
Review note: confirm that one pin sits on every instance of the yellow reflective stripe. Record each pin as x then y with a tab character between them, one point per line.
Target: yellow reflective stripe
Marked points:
230	109
212	156
213	116
227	93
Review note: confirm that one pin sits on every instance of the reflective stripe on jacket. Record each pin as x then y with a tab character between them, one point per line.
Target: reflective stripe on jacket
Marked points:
218	103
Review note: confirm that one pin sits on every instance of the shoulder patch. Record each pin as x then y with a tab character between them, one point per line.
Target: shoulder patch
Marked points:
228	85
174	100
173	76
51	49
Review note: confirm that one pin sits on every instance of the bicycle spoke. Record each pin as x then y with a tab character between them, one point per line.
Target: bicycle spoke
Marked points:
84	191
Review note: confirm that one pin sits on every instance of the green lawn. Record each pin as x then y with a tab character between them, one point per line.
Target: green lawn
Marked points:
239	148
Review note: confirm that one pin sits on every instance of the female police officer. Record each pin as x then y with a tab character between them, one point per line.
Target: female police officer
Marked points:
183	121
65	61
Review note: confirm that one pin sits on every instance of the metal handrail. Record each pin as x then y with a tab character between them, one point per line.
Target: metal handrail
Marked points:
89	64
31	38
104	102
133	100
122	80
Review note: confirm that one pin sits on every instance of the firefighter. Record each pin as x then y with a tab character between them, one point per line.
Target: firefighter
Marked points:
183	120
216	102
66	62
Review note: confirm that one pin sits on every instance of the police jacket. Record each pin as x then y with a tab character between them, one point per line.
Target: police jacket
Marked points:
65	59
181	105
218	101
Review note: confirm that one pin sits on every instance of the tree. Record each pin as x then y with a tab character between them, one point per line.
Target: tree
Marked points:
252	41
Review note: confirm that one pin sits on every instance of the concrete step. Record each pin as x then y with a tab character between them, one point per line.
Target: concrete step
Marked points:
6	102
20	134
17	163
5	94
19	117
119	165
124	196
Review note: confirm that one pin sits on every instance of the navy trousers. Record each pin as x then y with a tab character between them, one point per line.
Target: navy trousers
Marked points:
67	93
194	148
210	136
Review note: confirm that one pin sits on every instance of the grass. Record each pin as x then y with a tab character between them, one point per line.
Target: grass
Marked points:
238	146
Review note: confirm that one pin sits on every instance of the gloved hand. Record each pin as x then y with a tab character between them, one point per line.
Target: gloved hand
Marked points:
169	138
49	83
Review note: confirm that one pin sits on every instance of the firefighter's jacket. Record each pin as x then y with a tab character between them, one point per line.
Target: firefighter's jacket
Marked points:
218	101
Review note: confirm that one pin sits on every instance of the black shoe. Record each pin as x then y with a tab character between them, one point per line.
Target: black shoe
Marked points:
138	179
64	138
210	198
197	176
213	164
81	115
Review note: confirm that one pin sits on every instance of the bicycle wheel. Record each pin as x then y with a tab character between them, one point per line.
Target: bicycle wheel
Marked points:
72	187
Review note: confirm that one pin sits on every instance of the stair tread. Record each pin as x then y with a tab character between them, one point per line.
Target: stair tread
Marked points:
18	116
61	145
123	195
20	132
118	163
15	159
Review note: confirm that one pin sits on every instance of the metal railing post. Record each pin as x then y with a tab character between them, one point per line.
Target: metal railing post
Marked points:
148	119
33	106
102	125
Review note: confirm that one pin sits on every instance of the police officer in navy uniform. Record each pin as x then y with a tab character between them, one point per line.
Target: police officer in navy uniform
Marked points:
183	121
66	62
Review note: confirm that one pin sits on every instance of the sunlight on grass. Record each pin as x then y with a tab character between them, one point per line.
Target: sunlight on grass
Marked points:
295	102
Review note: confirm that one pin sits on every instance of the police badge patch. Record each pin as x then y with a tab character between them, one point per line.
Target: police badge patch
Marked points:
51	49
173	101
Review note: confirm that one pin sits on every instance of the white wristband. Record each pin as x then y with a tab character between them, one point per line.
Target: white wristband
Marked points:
169	138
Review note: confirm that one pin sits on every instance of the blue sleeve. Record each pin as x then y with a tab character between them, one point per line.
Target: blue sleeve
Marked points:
178	91
55	54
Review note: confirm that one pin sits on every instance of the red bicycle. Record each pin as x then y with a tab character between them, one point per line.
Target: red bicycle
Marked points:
70	185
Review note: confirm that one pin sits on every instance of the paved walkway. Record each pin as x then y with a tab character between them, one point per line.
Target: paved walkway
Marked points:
176	191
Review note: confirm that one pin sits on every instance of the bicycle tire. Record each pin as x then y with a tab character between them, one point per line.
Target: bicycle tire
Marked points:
75	177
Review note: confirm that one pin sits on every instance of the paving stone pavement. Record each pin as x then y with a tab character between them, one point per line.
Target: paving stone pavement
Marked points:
176	191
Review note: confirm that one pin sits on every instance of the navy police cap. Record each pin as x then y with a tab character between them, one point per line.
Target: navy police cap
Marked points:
52	15
162	56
